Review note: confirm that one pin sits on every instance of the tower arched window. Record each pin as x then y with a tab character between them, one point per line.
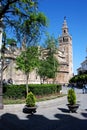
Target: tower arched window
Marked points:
64	31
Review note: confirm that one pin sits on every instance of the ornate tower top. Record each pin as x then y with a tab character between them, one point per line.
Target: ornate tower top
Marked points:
65	27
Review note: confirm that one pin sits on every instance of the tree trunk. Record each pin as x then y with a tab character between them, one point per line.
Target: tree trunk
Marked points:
27	76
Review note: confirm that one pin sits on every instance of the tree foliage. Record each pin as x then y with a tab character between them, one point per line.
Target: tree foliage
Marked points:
48	67
80	79
27	61
11	42
49	63
51	43
21	18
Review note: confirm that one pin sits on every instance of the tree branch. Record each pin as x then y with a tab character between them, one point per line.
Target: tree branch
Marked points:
6	7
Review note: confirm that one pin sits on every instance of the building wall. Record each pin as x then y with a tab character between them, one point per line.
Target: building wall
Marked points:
83	67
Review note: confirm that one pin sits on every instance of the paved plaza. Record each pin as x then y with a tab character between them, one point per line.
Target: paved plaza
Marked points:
50	115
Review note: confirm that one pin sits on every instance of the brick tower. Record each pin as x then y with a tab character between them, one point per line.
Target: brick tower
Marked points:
65	47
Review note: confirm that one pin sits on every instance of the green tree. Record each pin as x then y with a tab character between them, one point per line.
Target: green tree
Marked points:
11	42
48	68
49	63
21	18
27	61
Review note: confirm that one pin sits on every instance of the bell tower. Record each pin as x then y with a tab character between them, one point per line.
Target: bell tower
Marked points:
65	45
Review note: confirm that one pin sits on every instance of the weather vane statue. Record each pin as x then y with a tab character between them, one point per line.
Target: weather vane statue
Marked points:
64	17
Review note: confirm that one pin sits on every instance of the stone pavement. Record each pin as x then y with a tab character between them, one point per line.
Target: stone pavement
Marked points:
50	115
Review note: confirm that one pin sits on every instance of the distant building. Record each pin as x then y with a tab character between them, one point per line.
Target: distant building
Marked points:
64	56
83	68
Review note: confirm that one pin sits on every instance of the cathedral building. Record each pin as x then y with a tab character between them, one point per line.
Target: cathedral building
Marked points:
64	56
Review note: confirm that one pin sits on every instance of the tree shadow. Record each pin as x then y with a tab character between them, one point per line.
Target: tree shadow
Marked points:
67	121
70	122
84	114
64	110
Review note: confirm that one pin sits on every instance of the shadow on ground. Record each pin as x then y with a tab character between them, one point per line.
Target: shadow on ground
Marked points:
39	122
64	110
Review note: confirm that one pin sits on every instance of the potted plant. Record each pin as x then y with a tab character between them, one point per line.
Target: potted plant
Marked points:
30	106
71	97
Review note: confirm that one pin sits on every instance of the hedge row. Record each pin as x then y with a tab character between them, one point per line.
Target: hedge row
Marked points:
19	91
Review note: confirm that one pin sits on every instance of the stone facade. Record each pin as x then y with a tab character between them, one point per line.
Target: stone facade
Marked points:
64	56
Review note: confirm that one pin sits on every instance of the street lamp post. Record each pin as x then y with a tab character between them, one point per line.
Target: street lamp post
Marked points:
1	65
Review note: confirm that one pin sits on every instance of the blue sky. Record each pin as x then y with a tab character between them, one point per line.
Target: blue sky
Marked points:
76	17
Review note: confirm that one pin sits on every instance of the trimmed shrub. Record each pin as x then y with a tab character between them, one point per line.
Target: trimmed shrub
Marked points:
19	91
14	91
30	100
71	96
44	89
